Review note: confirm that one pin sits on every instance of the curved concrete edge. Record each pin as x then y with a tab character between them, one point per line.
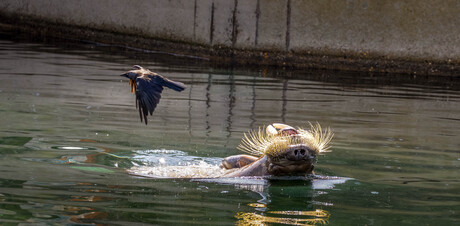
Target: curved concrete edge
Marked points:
223	54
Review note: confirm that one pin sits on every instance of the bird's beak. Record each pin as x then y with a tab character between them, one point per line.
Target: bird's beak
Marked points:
130	75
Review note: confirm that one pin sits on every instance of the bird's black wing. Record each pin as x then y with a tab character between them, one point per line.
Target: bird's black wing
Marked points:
148	94
178	86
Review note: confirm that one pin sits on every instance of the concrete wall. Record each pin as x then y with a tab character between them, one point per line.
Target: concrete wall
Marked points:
415	29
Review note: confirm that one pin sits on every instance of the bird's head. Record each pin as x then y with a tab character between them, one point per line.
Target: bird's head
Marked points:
133	74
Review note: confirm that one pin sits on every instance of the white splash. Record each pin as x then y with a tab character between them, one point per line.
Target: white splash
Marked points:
201	170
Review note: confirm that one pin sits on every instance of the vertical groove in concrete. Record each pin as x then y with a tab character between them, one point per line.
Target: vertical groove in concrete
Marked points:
231	106
211	29
234	24
208	106
284	99
288	24
194	21
257	23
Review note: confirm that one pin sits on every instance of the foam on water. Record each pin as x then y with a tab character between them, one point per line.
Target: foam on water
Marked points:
201	170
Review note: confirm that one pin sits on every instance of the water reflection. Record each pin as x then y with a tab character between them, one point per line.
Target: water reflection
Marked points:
268	210
69	131
319	217
30	208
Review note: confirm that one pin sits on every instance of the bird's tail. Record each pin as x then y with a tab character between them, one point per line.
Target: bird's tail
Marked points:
178	86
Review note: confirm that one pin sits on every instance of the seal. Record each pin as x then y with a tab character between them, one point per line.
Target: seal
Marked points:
275	150
278	150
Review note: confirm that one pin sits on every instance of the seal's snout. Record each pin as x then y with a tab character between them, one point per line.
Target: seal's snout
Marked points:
299	153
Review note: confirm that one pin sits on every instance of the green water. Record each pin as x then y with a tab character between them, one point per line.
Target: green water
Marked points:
69	130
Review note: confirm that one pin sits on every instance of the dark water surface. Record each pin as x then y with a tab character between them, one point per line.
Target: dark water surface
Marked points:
69	131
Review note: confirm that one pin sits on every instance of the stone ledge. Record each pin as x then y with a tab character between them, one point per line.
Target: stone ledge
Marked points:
222	55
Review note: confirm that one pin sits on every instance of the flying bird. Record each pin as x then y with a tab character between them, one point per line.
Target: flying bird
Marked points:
148	86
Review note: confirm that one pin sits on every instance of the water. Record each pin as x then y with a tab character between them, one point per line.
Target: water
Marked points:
69	132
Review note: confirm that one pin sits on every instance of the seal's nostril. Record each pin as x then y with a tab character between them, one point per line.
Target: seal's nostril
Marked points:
296	152
302	151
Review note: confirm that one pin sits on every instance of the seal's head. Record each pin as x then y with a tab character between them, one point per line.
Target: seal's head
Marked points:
290	151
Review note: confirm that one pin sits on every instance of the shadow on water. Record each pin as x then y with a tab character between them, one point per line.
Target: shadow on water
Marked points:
69	131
